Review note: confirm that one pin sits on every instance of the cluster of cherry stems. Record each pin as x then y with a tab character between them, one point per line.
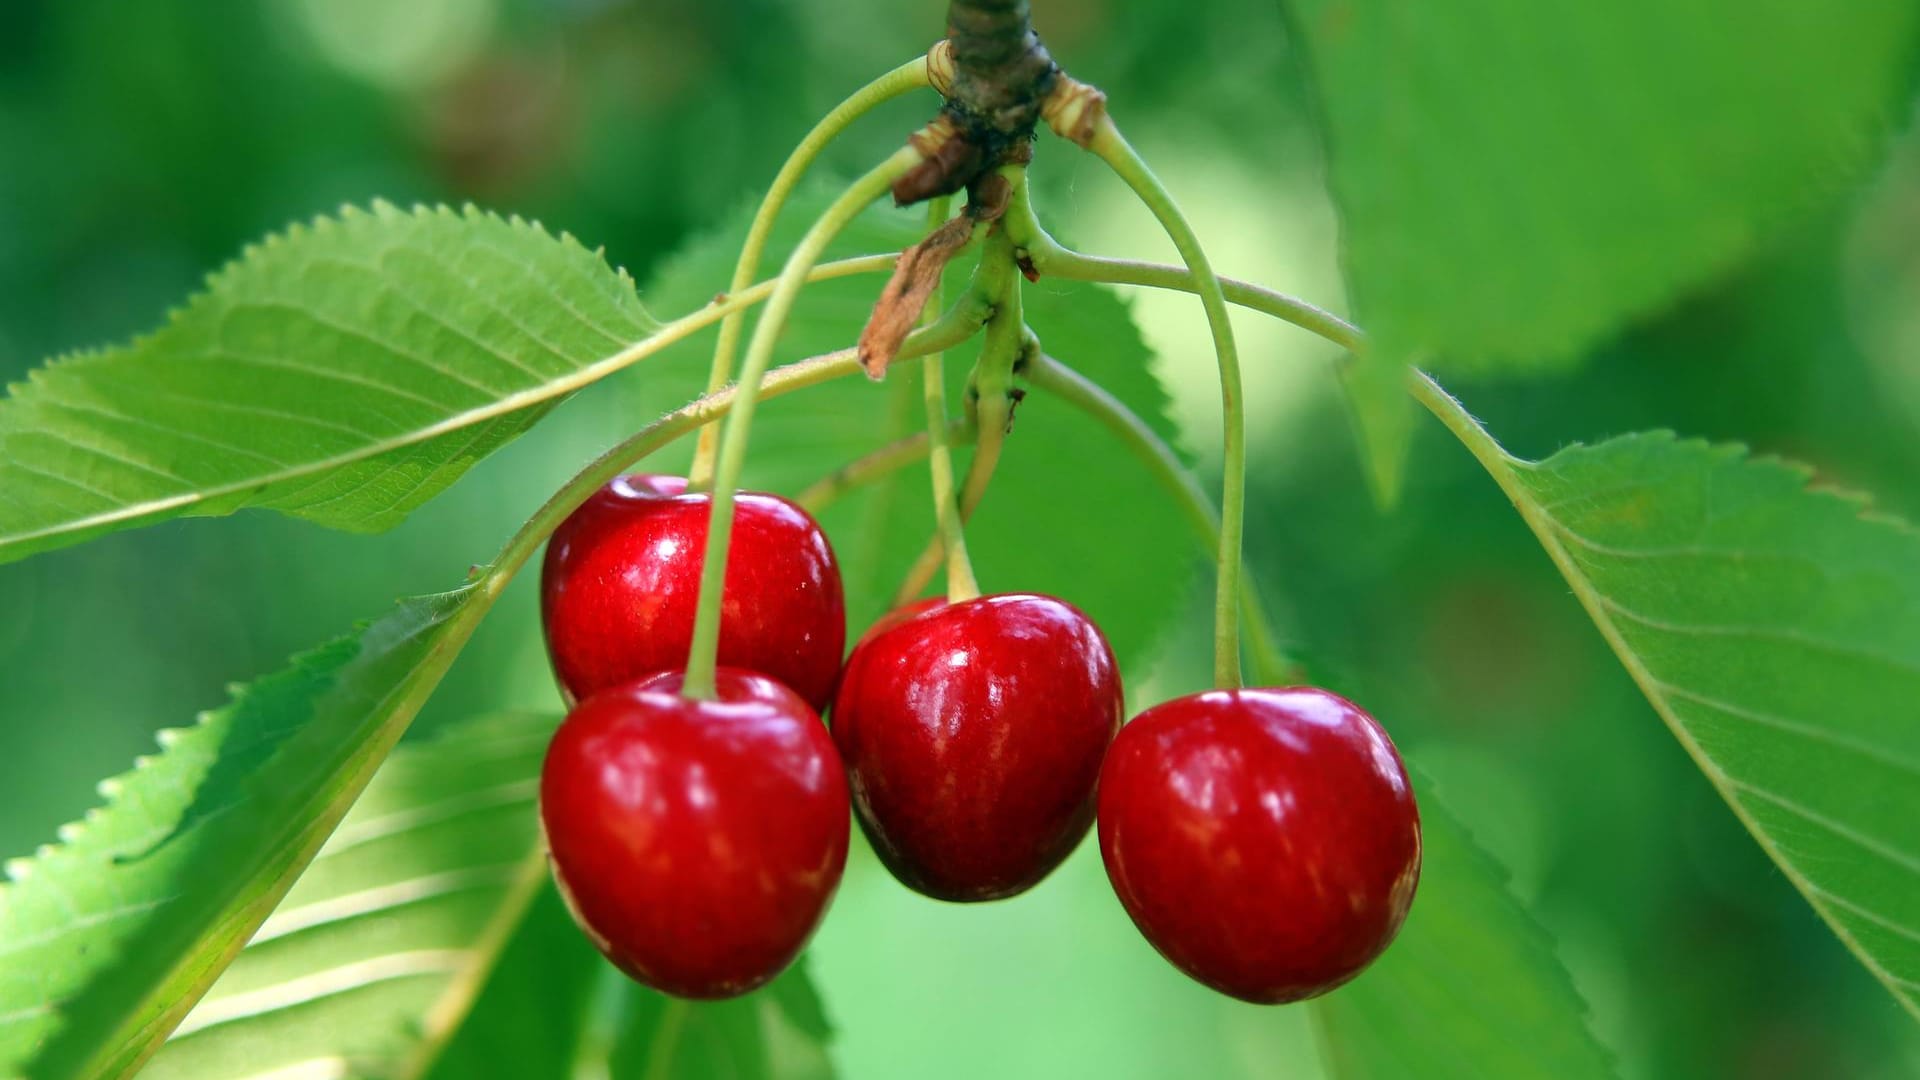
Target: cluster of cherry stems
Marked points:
1264	840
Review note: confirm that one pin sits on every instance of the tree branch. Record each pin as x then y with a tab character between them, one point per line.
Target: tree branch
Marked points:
996	77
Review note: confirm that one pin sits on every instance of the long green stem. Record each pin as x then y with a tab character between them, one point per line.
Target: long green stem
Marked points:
875	466
961	584
960	324
1111	147
991	417
703	654
1072	265
1050	258
1048	375
904	79
992	410
663	336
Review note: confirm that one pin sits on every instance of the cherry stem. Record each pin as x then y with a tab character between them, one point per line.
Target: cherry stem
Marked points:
998	280
961	584
663	336
959	324
1271	666
1049	259
904	79
988	417
875	466
1111	147
703	653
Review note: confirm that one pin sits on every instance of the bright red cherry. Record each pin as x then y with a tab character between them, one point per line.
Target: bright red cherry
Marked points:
972	734
1265	841
622	578
697	842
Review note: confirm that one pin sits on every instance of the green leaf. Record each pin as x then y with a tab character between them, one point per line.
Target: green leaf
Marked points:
553	1007
343	372
425	938
1471	988
1374	385
544	1009
1515	180
376	953
1776	629
780	1031
109	937
1060	475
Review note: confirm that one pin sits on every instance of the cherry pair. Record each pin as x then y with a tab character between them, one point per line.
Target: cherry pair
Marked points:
698	842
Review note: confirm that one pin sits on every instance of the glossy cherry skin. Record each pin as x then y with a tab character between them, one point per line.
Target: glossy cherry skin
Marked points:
1266	841
697	842
973	734
622	578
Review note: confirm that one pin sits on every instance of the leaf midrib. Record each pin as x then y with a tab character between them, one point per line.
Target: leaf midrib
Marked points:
189	980
664	335
668	334
1499	465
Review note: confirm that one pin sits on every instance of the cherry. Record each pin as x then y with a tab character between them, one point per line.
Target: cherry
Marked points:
1265	841
972	734
622	578
697	842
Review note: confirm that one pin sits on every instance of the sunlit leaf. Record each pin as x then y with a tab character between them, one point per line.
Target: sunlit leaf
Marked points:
1776	629
109	937
424	939
343	372
374	956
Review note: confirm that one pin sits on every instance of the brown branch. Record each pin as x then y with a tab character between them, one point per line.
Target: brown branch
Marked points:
996	77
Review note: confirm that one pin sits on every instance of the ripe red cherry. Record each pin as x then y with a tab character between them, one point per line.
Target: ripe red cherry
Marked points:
697	842
1265	841
622	578
972	734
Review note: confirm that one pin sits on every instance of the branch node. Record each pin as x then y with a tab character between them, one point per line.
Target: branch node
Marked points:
1074	109
940	67
995	76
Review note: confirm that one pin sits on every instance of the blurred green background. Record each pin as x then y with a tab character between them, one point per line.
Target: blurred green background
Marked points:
141	145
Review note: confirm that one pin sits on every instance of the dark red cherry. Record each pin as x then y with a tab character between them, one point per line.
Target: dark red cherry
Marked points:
972	734
622	578
1265	841
697	842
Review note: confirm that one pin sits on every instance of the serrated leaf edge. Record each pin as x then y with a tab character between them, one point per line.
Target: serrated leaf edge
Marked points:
1501	466
660	335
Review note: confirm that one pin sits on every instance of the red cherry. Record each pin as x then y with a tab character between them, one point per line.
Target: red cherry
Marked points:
622	578
697	842
972	734
1265	841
